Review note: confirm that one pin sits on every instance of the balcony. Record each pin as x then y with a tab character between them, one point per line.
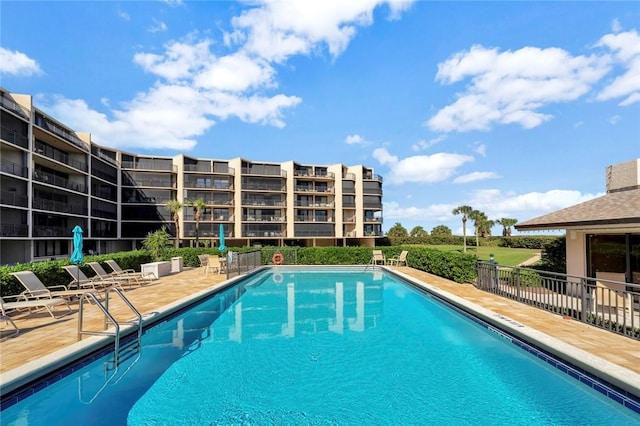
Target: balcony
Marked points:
58	206
349	219
58	155
310	188
14	137
59	131
372	219
51	231
307	218
369	176
263	171
314	174
12	168
60	182
260	202
263	187
262	218
310	204
157	183
208	184
157	165
11	105
13	199
375	206
10	230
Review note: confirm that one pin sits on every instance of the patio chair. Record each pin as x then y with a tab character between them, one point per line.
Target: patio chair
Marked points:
396	261
105	276
378	258
213	263
80	280
118	271
204	261
48	304
35	289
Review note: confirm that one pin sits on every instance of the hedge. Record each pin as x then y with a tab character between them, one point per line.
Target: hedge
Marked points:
458	267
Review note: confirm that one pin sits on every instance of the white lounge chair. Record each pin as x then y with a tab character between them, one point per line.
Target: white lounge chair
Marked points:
35	289
213	263
400	259
377	258
105	276
118	271
80	280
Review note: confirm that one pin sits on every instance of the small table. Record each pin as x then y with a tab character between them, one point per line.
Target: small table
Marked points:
158	269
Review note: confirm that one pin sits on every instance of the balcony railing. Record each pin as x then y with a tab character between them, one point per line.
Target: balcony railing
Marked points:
57	206
611	305
376	206
349	176
190	183
262	203
14	199
11	230
149	165
349	219
305	233
263	187
60	182
310	204
51	231
373	219
305	218
262	218
11	105
14	137
258	233
311	173
13	168
263	171
158	183
372	177
60	156
303	188
63	133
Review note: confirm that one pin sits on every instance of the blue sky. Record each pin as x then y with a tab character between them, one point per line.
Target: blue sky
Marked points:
513	108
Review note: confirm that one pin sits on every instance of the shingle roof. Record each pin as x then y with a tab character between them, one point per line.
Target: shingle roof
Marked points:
622	207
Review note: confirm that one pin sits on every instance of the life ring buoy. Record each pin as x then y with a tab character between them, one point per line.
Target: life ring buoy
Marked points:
277	259
277	278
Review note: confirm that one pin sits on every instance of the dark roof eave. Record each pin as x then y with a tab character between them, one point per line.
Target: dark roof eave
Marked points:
564	225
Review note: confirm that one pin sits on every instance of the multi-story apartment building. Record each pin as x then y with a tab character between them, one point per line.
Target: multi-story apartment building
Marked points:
53	178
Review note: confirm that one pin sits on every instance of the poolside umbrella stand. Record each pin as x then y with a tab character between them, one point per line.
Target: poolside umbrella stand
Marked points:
76	256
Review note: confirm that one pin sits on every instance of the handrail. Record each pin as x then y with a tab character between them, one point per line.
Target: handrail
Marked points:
128	303
105	311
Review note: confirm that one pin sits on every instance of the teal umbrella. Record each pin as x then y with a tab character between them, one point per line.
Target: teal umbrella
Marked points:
222	247
76	256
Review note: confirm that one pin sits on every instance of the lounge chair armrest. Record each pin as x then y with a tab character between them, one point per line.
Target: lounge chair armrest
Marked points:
35	294
59	287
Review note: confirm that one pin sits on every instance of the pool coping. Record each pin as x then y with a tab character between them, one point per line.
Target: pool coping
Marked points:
17	380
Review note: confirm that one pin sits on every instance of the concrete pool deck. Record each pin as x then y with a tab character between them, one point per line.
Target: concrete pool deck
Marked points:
41	336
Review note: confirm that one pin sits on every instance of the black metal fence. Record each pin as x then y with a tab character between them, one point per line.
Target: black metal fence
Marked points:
604	303
241	263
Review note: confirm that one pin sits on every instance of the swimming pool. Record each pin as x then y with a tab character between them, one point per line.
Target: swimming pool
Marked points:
290	346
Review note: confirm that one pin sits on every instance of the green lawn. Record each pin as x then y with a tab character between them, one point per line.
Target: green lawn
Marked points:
503	255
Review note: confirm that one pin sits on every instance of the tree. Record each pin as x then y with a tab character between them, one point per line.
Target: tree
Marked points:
198	207
478	218
441	231
418	231
397	230
156	242
485	227
175	206
465	211
506	223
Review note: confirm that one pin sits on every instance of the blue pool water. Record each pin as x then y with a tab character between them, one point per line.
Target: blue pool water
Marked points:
320	347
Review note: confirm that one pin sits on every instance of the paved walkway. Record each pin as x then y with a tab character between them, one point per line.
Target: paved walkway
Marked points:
41	335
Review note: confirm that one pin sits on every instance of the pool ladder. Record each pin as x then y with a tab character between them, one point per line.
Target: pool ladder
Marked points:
109	319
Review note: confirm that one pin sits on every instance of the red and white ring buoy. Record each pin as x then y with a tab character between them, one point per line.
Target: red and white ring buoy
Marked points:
277	259
277	278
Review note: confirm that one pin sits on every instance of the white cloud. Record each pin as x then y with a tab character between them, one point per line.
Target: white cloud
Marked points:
158	26
195	87
475	176
17	63
480	149
614	119
578	124
512	86
173	3
123	15
494	203
626	51
278	29
616	27
422	144
420	168
355	140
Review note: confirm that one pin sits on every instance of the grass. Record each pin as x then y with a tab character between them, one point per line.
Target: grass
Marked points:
503	255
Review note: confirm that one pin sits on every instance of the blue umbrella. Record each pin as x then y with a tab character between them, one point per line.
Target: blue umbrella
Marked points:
222	247
76	256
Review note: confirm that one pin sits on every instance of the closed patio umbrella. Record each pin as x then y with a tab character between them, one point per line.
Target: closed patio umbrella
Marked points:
76	256
222	247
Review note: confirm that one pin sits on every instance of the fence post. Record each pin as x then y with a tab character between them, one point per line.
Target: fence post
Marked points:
586	300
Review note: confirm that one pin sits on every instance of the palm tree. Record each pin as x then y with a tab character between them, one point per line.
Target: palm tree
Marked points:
198	207
175	206
478	218
485	227
506	223
465	211
418	231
